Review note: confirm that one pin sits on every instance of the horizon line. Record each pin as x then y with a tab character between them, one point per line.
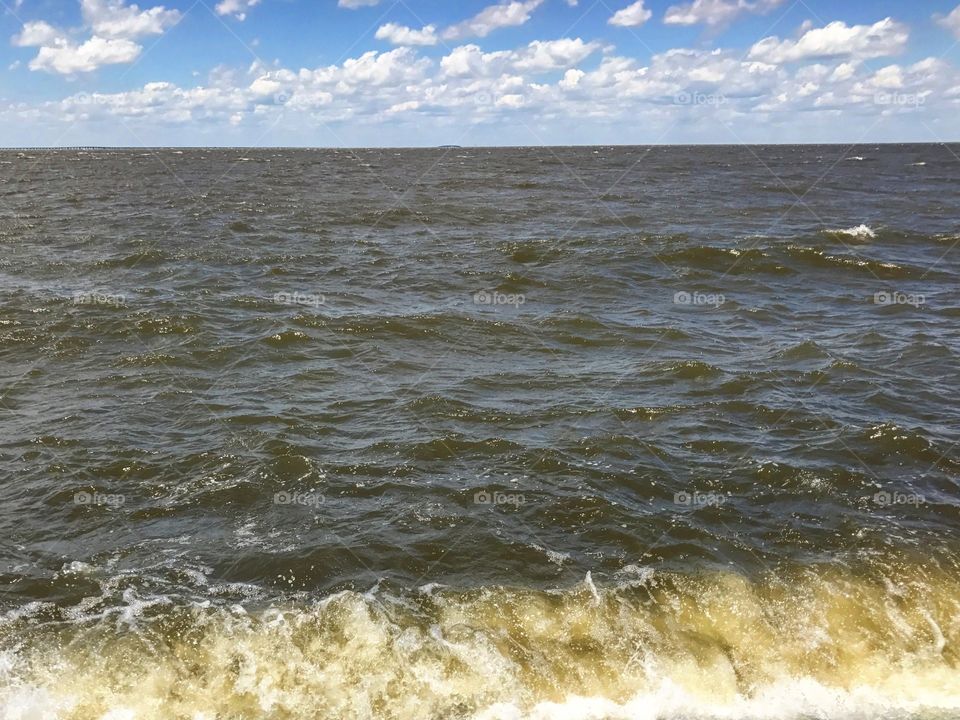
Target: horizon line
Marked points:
14	148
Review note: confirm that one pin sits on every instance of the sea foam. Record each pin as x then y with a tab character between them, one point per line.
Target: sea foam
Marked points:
861	232
819	643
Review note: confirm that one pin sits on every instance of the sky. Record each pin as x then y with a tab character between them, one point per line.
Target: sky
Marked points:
349	73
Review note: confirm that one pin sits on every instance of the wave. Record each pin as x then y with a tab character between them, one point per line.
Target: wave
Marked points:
239	226
526	252
884	270
888	439
147	257
739	261
860	232
287	338
689	370
806	643
451	446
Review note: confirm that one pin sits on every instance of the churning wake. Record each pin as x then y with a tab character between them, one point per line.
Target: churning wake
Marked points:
813	644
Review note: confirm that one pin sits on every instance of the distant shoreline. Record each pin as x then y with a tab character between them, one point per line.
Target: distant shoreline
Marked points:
79	148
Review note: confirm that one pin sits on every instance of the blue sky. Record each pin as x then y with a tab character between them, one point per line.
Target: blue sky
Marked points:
524	72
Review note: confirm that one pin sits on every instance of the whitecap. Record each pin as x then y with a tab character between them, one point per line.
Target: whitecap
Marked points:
862	232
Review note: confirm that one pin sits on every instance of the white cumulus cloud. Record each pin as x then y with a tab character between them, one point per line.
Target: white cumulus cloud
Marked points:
403	107
506	14
539	56
37	33
631	16
113	26
114	19
951	22
716	12
883	38
236	8
571	78
67	59
402	35
544	56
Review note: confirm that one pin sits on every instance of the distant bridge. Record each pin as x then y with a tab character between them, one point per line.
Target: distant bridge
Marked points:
39	149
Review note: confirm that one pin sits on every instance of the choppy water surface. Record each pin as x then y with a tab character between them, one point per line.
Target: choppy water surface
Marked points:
480	433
